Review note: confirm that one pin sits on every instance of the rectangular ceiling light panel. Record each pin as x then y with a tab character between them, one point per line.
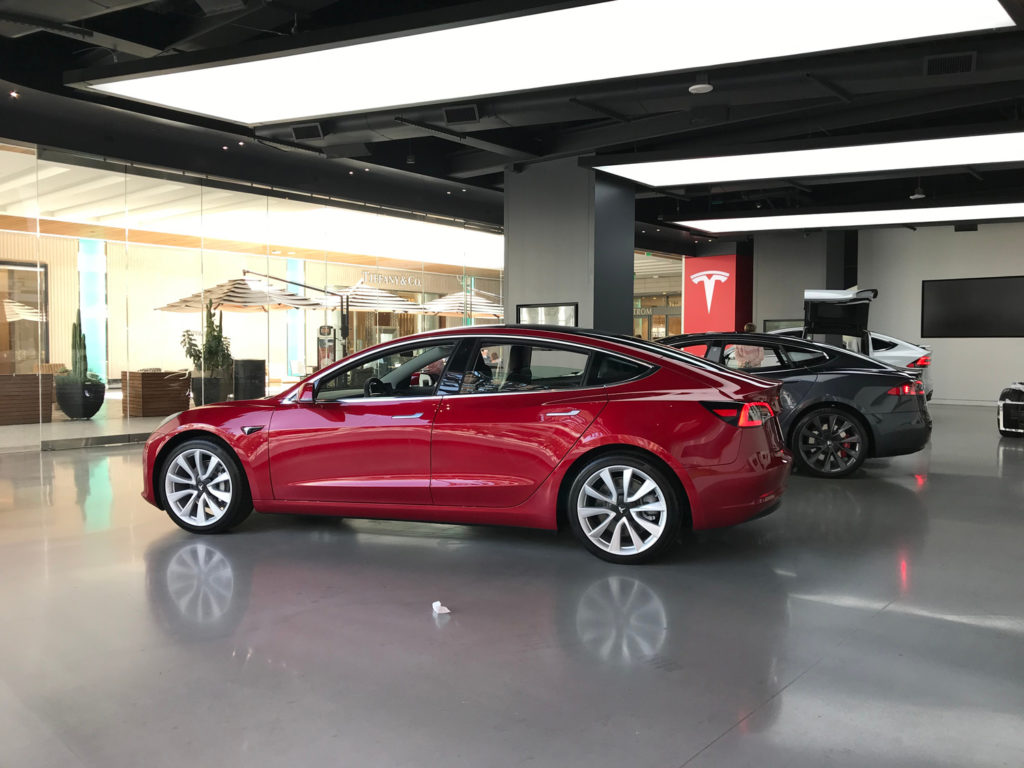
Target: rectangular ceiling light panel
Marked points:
904	155
618	38
850	219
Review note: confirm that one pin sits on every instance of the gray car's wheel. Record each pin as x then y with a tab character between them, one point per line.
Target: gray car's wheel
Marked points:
830	442
203	489
624	509
1007	433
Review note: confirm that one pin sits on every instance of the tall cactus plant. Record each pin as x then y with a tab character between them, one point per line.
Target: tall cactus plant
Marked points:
79	358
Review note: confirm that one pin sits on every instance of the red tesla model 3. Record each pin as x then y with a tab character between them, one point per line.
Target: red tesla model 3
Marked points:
623	440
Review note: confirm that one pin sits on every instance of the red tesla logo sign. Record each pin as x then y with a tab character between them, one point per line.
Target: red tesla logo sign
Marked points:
717	293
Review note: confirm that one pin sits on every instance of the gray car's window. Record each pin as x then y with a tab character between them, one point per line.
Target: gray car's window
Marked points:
805	357
752	357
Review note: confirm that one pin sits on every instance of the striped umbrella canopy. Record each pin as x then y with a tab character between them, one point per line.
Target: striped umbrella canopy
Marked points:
366	298
15	310
242	295
474	304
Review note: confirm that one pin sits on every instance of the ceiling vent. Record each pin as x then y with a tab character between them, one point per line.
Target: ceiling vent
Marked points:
464	114
950	64
307	131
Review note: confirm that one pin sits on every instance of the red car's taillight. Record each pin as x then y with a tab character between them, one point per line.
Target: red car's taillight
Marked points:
741	414
910	388
922	362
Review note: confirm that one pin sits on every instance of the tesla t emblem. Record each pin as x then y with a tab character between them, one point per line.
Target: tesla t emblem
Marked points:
709	277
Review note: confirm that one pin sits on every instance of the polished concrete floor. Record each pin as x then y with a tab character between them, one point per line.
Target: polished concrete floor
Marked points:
877	621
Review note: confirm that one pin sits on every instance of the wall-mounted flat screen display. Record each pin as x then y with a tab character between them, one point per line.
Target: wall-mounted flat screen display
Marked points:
972	307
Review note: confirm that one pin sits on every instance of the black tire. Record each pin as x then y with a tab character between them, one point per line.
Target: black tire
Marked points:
649	522
223	502
1007	433
829	442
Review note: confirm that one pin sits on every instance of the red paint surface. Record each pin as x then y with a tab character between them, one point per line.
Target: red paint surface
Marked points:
498	458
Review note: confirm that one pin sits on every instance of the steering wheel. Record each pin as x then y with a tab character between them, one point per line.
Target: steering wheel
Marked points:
375	387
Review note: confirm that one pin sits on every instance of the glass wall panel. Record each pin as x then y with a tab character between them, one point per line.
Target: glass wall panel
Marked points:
142	253
161	289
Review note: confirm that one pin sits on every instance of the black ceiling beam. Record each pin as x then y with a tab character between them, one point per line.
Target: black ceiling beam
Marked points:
468	140
578	141
753	136
829	86
49	120
77	32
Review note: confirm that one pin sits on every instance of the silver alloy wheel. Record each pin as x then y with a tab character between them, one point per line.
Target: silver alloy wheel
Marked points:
622	510
201	583
197	486
830	443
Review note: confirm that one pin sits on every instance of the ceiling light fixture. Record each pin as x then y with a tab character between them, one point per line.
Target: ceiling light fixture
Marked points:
851	219
918	193
541	50
14	94
702	85
832	161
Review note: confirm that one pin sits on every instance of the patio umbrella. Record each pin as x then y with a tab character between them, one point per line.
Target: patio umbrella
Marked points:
474	304
15	310
366	298
242	295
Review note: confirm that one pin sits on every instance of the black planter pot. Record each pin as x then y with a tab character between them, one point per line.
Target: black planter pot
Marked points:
79	399
209	389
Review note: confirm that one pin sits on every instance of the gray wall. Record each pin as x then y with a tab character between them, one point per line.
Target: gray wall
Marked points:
569	237
896	261
785	264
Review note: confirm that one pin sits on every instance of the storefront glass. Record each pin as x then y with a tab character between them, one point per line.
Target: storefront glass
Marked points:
140	253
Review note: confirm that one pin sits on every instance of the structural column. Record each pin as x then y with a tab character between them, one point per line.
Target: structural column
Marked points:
569	240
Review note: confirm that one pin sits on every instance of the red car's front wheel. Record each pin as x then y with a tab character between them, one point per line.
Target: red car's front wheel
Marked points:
204	491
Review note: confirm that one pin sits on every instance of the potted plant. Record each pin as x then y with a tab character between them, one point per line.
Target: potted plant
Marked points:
212	361
79	391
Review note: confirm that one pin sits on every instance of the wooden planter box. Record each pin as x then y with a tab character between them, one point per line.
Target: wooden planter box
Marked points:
154	393
26	398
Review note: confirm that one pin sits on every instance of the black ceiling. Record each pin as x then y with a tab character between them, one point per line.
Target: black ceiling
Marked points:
449	159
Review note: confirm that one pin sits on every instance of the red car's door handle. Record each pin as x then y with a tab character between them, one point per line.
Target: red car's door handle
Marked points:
573	412
409	416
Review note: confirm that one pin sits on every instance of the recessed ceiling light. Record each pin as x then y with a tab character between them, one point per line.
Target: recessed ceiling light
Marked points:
448	192
275	252
351	173
14	94
891	217
918	193
224	147
366	169
543	50
701	86
241	143
803	163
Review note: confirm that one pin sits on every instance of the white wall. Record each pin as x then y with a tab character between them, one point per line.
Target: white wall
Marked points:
785	264
896	261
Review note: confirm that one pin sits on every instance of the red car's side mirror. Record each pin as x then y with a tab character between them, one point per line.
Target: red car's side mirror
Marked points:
307	394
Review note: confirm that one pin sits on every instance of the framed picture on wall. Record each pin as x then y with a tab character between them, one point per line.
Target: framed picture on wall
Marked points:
548	314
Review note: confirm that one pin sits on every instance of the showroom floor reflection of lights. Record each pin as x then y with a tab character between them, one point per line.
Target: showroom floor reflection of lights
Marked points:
873	621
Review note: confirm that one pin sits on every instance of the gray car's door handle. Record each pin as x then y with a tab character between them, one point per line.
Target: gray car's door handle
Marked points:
564	413
409	416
